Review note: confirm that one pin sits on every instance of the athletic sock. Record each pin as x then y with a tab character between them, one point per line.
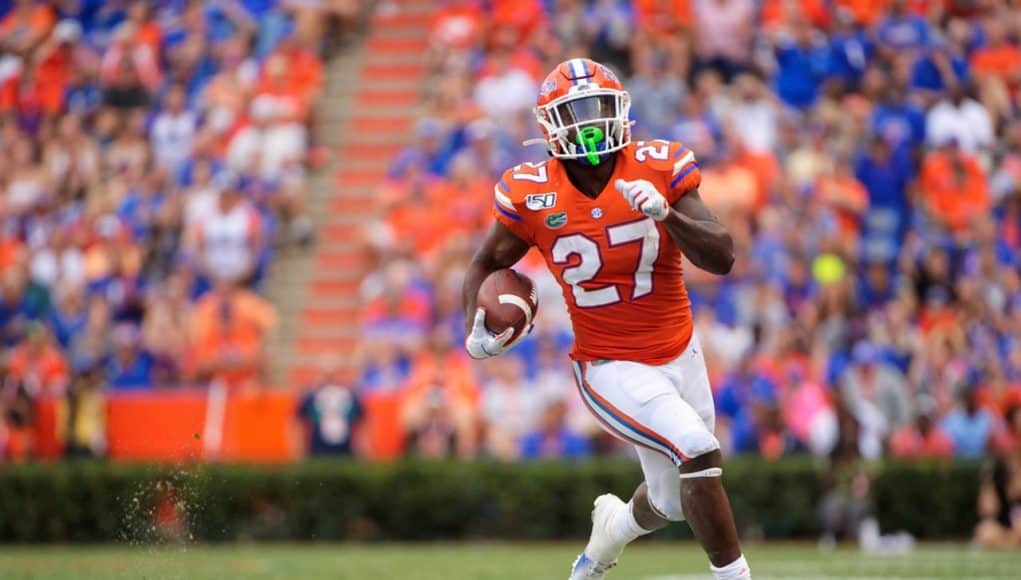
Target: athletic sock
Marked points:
624	525
736	570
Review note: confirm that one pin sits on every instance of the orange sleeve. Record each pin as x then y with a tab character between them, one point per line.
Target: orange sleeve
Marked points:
683	170
507	212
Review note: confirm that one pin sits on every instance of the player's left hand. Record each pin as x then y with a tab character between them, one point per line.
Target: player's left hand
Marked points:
644	197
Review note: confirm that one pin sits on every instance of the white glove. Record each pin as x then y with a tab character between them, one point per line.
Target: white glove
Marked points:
481	343
644	197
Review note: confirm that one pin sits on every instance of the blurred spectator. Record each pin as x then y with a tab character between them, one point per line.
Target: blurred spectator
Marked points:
724	30
960	119
432	428
754	115
173	131
953	186
85	409
886	177
330	414
230	329
901	30
229	240
441	402
876	394
846	503
131	366
553	438
922	439
999	497
802	63
743	402
38	364
129	71
969	426
511	407
26	26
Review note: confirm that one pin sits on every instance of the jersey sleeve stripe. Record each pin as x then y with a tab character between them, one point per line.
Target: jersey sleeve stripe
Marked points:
689	157
680	177
504	186
512	216
681	151
504	200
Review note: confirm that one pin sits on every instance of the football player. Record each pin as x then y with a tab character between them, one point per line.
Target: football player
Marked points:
612	219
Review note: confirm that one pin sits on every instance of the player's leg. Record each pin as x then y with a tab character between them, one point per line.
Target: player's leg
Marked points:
703	499
615	523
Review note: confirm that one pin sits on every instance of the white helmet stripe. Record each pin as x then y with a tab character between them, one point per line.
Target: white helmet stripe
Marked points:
578	70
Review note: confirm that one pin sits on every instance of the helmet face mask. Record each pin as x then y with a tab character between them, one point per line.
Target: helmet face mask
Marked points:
586	118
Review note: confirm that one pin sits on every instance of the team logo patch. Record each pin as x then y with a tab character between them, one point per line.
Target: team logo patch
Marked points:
547	87
556	220
537	201
597	212
608	73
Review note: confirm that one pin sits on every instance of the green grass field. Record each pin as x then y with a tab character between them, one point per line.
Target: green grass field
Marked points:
644	561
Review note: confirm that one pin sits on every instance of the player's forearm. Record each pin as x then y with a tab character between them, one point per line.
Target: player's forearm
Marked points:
479	268
706	243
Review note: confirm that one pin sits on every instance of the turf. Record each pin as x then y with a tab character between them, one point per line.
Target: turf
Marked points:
643	561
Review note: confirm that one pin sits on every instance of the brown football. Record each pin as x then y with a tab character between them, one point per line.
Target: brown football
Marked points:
510	300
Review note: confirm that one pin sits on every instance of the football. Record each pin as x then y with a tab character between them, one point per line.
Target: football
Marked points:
510	300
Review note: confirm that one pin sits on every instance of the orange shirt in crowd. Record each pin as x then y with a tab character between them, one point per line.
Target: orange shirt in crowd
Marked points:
663	16
954	196
300	74
998	400
452	375
731	187
11	250
37	20
458	25
51	80
521	15
765	167
867	12
776	13
847	197
237	323
151	34
418	223
908	443
251	316
46	367
1002	62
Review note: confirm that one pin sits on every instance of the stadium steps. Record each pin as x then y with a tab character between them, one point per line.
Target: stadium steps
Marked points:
372	101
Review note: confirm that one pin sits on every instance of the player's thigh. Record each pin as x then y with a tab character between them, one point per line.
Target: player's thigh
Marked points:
691	379
640	404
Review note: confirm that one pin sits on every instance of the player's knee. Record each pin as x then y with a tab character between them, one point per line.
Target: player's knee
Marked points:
697	443
665	495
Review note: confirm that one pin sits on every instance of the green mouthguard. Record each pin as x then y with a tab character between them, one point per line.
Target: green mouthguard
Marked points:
588	138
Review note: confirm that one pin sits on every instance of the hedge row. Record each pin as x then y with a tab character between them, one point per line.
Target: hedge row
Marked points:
93	501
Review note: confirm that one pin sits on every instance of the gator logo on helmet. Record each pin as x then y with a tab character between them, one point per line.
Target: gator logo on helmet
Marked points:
608	73
547	87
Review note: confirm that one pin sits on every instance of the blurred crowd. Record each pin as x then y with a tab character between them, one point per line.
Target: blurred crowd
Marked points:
866	157
154	157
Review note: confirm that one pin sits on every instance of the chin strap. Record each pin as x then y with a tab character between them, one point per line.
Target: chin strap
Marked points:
536	141
710	472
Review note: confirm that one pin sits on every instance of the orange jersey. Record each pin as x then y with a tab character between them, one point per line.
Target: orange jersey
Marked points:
620	271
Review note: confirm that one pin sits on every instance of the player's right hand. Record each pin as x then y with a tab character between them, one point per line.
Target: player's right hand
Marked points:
480	343
642	195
